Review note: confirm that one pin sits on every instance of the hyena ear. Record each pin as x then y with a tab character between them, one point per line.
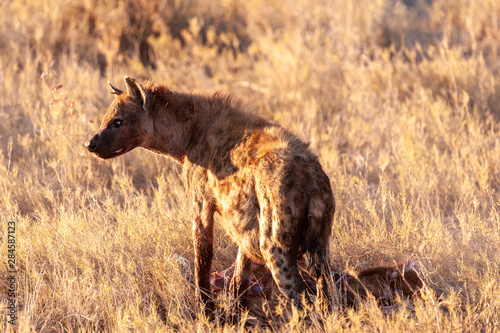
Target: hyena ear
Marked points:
136	91
115	91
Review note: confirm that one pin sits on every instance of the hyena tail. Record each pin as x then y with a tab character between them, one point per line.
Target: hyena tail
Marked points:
319	224
317	245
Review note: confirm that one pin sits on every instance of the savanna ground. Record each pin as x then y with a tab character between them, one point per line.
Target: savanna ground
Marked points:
400	100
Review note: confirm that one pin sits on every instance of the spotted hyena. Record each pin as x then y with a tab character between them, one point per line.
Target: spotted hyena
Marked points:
273	197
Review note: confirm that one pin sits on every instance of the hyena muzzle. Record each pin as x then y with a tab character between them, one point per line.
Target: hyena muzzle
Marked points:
274	199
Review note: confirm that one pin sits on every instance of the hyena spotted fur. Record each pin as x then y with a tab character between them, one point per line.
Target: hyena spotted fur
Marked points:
273	197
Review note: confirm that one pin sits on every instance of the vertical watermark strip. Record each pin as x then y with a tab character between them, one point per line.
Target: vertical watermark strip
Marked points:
11	273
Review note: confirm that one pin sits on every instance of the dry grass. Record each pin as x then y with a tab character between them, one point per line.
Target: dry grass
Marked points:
400	99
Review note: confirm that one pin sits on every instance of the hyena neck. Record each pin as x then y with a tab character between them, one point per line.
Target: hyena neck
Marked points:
172	121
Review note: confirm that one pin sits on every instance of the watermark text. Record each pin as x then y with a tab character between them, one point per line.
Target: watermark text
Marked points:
11	273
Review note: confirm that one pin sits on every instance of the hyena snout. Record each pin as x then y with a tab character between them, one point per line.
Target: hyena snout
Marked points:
92	143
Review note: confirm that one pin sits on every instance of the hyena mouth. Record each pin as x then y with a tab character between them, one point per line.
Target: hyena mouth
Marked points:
109	155
117	153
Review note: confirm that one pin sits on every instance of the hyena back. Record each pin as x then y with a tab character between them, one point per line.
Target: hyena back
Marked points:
275	200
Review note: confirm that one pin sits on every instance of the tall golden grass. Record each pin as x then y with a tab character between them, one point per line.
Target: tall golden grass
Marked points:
400	99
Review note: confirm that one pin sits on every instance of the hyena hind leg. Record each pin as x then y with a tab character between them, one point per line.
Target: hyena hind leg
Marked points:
241	279
285	272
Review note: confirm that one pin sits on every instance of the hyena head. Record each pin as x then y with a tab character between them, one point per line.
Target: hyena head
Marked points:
126	124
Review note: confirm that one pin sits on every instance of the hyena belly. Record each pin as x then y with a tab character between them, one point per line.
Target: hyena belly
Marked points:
240	211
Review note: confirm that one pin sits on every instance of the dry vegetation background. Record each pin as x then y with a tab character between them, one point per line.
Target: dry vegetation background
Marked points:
400	99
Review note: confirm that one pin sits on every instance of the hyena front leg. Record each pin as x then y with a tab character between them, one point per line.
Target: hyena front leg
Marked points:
203	235
241	278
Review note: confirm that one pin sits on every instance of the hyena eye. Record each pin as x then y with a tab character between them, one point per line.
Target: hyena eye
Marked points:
117	123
